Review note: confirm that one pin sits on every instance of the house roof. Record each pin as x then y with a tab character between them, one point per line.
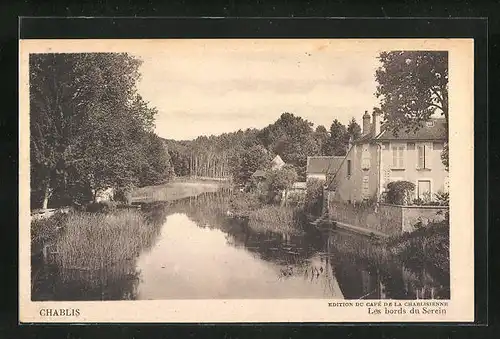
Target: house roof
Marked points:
323	164
277	162
436	130
259	174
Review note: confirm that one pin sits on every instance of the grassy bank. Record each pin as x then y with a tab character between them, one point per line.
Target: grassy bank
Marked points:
273	218
95	241
174	190
264	217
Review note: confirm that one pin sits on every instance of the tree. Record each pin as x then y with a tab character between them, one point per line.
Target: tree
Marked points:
280	180
156	167
256	157
292	138
338	141
321	136
353	129
85	121
412	86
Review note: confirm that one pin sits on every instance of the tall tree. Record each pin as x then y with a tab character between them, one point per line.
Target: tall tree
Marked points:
353	129
84	117
321	135
292	138
244	165
412	86
339	138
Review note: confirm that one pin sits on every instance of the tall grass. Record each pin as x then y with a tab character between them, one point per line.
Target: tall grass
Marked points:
94	241
274	218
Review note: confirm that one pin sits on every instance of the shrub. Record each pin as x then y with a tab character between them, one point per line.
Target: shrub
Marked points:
101	207
123	195
398	192
443	198
314	197
242	203
274	219
279	180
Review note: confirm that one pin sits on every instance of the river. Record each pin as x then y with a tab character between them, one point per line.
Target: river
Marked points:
200	253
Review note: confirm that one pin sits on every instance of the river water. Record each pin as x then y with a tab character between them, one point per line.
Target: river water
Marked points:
200	253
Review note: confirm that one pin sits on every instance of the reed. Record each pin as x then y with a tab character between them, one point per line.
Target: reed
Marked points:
96	241
274	219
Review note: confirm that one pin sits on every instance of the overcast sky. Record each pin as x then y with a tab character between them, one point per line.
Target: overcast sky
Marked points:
203	87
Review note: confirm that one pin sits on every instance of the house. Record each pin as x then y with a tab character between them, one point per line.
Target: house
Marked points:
277	163
379	157
319	166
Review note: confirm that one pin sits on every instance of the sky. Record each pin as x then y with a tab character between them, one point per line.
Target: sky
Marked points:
204	87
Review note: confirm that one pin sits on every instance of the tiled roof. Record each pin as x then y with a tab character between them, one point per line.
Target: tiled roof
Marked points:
434	131
323	164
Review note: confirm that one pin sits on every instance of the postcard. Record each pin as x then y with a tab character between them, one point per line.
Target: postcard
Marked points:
246	180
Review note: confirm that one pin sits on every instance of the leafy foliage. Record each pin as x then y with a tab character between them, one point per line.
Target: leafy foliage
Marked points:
314	197
87	124
412	85
339	138
292	138
398	192
353	129
279	180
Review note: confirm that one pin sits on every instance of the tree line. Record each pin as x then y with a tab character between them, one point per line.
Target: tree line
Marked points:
239	154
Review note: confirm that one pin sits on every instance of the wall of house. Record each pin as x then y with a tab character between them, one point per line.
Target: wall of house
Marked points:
435	173
350	187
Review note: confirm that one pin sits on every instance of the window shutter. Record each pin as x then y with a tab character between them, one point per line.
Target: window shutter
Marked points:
401	157
427	155
420	156
394	157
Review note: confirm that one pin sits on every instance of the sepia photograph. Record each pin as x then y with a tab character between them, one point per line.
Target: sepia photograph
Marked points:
189	171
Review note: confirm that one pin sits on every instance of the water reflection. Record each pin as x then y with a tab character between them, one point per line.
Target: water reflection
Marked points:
198	252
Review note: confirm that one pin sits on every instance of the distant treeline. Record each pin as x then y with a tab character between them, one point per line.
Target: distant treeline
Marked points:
239	154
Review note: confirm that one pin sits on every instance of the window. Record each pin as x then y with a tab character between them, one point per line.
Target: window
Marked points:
410	146
398	157
423	189
348	168
423	153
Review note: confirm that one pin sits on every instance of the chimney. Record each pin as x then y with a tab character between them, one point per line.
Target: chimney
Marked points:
366	123
376	123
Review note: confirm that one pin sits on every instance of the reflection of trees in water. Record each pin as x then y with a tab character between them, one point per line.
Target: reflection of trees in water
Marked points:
363	269
360	267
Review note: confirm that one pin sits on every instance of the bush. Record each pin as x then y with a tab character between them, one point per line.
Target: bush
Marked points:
398	192
101	207
443	198
242	203
314	197
122	195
